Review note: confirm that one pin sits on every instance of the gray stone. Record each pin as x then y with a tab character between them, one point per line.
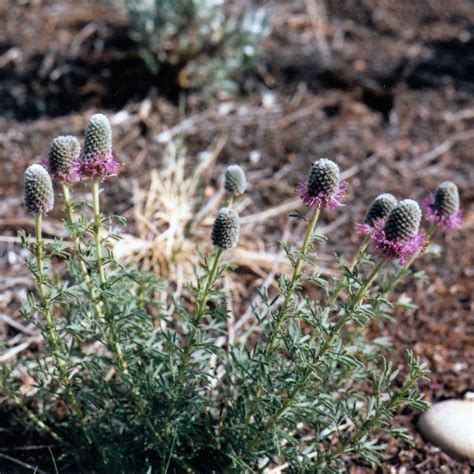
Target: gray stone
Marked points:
450	426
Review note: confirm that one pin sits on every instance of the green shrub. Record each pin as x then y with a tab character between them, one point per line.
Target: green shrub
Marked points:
207	45
154	384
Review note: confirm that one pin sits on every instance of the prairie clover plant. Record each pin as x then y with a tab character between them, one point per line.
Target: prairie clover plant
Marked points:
133	379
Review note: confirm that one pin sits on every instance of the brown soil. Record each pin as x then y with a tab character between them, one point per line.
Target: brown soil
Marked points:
392	101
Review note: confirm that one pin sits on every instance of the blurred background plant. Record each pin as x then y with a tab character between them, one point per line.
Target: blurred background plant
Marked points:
207	43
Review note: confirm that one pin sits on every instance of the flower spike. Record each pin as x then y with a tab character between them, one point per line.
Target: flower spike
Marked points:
98	137
235	182
226	229
324	189
379	210
63	152
97	160
400	237
38	190
443	208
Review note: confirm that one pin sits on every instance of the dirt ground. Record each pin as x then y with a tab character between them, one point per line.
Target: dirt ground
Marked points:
385	88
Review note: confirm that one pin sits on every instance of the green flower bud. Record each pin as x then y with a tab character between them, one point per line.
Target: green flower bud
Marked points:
380	208
39	194
446	199
403	222
323	178
226	229
98	137
63	151
235	182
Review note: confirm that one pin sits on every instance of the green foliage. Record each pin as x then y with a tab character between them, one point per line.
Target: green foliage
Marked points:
206	42
133	380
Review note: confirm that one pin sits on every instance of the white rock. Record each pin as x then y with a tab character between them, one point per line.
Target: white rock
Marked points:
450	426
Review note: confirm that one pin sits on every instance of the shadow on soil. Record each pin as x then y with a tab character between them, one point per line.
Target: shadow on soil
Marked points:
106	72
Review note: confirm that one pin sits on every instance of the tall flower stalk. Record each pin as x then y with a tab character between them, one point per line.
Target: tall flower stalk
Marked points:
225	235
323	189
295	279
39	200
98	164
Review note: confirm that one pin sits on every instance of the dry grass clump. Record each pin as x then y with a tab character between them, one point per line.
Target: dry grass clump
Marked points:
173	216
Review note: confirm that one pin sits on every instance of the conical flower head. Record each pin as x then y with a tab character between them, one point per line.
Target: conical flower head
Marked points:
443	207
324	178
97	161
324	188
39	194
235	182
98	137
64	150
226	229
380	208
446	199
403	222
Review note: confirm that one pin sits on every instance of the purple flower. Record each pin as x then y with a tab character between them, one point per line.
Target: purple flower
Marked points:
323	188
378	211
322	199
398	249
442	208
63	152
101	166
399	237
368	229
97	161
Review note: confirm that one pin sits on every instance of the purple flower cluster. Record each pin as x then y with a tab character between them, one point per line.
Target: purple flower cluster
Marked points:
368	229
103	166
397	249
323	188
450	222
66	164
442	208
64	176
323	200
394	228
63	152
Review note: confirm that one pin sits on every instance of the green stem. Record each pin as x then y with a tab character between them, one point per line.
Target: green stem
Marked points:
97	221
404	270
295	279
77	246
282	313
50	327
200	311
109	324
358	256
191	339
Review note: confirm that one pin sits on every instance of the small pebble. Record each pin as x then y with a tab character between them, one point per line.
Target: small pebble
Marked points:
450	426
